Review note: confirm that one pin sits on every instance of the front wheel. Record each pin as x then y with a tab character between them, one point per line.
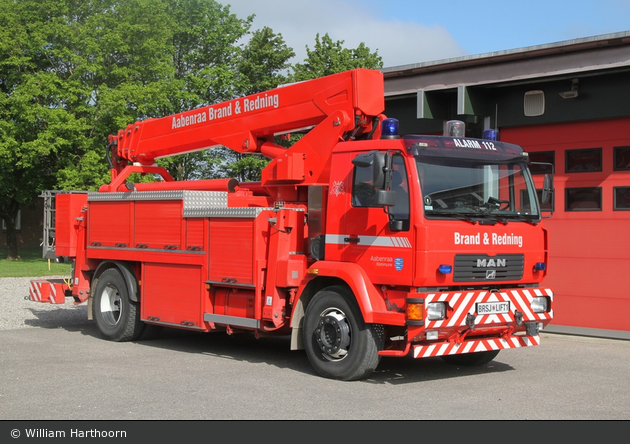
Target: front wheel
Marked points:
471	359
117	316
338	343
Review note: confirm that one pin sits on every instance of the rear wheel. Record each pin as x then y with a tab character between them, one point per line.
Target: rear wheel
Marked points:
338	343
117	316
471	359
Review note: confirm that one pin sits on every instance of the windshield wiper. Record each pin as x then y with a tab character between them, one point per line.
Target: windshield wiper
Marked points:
510	217
503	220
456	215
523	218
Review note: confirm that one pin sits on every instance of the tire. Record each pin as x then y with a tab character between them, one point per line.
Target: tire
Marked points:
117	316
471	359
338	343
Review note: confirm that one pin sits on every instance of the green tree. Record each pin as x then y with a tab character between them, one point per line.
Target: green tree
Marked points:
263	65
118	57
329	57
37	130
205	54
72	72
264	62
326	58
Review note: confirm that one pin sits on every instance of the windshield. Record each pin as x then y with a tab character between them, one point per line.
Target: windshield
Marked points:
477	190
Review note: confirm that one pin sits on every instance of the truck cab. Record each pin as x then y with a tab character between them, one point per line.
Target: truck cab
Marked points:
447	230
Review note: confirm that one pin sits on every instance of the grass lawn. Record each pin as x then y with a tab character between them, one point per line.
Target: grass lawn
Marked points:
31	264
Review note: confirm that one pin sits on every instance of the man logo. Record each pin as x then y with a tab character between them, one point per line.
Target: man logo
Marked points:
491	274
491	263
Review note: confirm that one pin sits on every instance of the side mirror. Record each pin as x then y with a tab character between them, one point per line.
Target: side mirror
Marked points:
396	225
375	161
547	190
385	198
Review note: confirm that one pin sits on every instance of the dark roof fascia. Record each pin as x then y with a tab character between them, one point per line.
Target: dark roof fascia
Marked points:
550	49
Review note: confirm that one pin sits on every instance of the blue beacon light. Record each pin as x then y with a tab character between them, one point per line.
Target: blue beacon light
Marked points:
389	129
491	134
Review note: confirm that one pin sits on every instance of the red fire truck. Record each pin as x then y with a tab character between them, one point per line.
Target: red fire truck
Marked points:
357	242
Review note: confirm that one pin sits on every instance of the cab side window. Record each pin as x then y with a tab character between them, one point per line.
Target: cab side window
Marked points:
363	189
400	185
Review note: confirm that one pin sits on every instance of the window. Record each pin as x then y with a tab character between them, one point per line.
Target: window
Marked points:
400	185
547	157
363	190
18	222
622	158
621	198
534	103
583	199
549	206
582	161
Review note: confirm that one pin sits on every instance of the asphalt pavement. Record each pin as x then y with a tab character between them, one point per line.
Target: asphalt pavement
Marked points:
69	372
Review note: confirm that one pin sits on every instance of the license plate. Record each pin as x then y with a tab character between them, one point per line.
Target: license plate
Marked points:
485	308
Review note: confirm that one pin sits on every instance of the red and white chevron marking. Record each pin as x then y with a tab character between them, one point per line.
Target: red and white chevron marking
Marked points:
463	303
473	345
48	290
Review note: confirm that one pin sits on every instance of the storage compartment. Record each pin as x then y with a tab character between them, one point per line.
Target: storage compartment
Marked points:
110	224
66	210
194	234
158	224
234	302
171	293
231	250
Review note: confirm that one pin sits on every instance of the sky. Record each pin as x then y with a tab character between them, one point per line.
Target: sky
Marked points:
406	32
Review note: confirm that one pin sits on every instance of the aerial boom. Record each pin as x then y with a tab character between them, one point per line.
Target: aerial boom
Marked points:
352	101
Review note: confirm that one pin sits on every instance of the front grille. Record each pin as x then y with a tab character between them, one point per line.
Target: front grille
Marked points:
481	267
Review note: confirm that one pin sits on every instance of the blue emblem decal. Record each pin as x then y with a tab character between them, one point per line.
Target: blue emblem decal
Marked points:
398	263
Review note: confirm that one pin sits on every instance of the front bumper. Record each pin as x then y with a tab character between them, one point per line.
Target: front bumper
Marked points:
465	330
473	345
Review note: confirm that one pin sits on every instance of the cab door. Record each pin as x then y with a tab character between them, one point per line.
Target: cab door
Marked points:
375	237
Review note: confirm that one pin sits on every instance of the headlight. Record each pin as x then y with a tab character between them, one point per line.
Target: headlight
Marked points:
436	311
540	304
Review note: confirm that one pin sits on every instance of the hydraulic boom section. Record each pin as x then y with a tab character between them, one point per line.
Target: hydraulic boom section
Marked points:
345	105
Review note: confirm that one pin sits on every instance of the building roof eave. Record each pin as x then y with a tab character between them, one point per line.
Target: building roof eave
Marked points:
550	49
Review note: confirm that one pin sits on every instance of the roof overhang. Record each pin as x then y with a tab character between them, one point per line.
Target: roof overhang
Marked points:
604	52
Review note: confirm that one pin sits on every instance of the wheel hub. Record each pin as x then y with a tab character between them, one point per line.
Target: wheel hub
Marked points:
111	306
333	335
